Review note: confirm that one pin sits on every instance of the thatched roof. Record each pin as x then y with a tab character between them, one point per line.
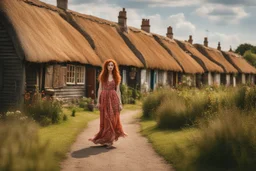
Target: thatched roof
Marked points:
105	39
239	63
217	57
156	57
44	36
207	65
188	64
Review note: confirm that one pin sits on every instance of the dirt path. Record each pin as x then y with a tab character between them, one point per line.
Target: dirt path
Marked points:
132	153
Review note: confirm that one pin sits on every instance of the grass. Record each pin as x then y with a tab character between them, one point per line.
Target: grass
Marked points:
133	106
165	142
61	136
212	129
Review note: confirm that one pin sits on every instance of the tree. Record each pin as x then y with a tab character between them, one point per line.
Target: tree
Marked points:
242	48
250	57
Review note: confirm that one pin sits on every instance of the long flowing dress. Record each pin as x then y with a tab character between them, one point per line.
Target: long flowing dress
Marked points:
110	124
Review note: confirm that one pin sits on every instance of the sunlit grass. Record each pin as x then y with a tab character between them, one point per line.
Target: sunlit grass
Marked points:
61	136
165	142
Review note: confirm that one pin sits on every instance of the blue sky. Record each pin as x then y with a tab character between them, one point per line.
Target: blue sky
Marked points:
231	22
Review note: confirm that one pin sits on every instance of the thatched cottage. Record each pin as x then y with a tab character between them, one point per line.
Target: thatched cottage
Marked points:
246	72
226	78
211	70
40	49
60	51
191	69
160	67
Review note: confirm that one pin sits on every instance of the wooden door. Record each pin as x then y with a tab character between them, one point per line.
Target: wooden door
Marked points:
91	82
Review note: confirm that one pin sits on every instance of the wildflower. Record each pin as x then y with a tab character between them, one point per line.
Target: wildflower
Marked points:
18	112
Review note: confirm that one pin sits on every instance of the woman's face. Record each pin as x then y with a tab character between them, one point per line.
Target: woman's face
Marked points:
110	66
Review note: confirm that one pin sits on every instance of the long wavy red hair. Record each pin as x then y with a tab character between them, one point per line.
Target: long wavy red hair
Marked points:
103	77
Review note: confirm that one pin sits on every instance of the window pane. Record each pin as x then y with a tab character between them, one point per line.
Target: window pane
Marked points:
80	74
70	74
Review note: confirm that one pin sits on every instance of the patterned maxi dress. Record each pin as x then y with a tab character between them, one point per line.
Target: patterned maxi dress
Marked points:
110	125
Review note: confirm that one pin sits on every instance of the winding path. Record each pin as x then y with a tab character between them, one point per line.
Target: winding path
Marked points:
132	153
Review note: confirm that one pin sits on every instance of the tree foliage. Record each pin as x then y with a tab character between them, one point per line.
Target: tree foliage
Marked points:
242	48
250	57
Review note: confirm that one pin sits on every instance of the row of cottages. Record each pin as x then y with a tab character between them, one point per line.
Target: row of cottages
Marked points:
246	72
211	70
215	55
61	52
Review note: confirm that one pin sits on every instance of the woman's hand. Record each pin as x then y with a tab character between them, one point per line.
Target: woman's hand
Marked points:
120	107
98	105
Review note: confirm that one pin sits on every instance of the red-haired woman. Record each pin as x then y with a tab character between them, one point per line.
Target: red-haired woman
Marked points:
110	104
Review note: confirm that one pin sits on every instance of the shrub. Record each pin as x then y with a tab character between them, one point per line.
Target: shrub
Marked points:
153	101
129	95
73	113
171	113
43	110
65	117
20	148
177	111
250	98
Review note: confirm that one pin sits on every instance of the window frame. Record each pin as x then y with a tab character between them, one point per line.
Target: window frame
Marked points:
81	75
68	79
77	75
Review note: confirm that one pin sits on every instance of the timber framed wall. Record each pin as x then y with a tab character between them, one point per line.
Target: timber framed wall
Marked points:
11	72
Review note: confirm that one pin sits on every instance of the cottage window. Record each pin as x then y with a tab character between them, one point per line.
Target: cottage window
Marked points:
75	74
71	74
80	75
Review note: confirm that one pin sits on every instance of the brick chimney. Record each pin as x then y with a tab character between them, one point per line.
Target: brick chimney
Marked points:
122	20
145	25
230	50
63	4
206	42
219	47
190	40
169	32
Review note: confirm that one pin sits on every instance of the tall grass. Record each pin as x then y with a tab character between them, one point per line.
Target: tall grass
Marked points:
20	148
176	109
224	118
171	113
154	100
228	142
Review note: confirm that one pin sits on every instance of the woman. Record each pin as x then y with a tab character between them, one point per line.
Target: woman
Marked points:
110	104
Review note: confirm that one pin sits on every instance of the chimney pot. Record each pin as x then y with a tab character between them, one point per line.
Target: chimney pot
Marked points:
219	47
169	32
206	42
63	4
230	50
122	20
145	25
190	40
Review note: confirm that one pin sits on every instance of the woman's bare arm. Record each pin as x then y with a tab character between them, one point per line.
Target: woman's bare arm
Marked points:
119	94
99	92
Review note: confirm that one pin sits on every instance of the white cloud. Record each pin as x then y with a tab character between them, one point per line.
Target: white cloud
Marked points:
222	14
181	24
170	3
226	40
